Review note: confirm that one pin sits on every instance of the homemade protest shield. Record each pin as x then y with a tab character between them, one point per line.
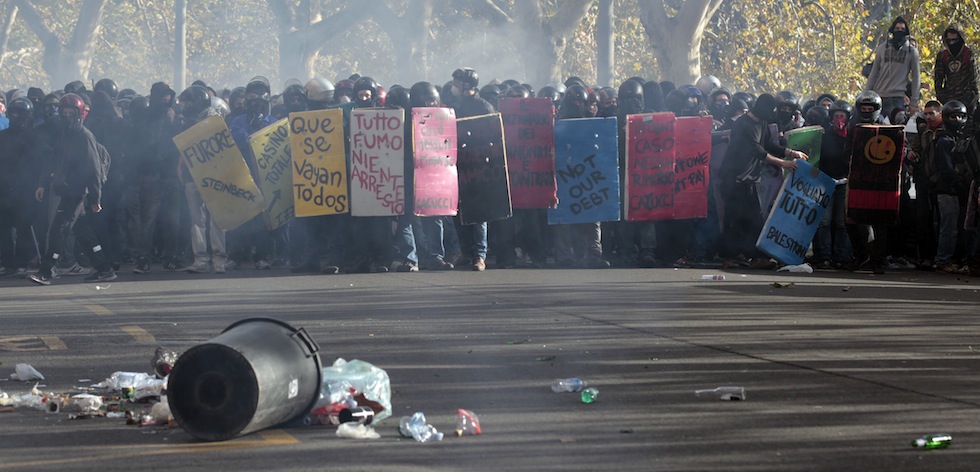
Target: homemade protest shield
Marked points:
650	155
771	178
875	181
529	137
270	146
434	142
808	140
587	168
692	157
377	162
719	148
484	193
319	162
794	218
220	171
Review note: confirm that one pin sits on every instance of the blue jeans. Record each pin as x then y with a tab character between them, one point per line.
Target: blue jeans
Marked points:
832	230
949	215
890	103
405	240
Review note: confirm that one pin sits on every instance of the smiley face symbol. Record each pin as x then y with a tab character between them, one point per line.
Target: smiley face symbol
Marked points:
880	149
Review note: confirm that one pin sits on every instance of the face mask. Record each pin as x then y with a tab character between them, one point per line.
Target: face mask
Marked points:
784	116
839	124
898	37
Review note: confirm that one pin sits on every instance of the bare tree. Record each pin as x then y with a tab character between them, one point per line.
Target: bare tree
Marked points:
542	37
65	61
304	32
409	33
8	24
676	39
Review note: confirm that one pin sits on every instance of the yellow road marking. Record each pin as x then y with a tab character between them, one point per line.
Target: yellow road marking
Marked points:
139	334
54	343
269	438
99	310
32	343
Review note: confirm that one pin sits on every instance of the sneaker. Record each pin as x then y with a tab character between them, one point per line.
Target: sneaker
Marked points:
439	264
479	265
75	269
408	266
39	278
682	263
142	266
103	276
219	268
901	262
824	265
950	268
199	268
172	264
262	264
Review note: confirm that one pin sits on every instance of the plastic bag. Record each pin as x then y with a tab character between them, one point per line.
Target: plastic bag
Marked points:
25	373
161	412
803	268
84	403
143	385
364	378
356	431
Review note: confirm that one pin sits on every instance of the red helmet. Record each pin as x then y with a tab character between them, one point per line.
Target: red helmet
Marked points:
74	102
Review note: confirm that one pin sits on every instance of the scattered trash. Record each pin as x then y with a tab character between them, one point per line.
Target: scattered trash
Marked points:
103	287
933	441
358	414
354	383
846	289
803	268
546	358
415	427
84	404
356	431
779	285
718	277
25	373
571	384
467	423
590	395
161	411
518	341
626	431
163	361
722	393
133	385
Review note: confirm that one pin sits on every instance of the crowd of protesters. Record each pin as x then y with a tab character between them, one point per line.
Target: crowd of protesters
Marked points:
93	181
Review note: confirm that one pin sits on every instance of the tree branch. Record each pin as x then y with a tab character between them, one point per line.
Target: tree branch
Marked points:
569	15
87	25
319	34
36	24
8	23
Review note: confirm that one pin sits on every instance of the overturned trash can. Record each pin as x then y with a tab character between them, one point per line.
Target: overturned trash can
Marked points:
258	373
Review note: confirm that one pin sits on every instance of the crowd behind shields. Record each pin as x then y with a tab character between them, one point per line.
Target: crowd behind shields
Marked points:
93	181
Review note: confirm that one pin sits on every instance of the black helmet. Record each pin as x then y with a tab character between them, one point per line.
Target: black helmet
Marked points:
573	103
366	83
630	98
398	97
517	91
194	101
467	76
788	98
817	116
20	112
343	91
424	94
868	98
490	93
954	116
74	86
258	85
681	102
841	105
108	86
551	93
294	98
746	97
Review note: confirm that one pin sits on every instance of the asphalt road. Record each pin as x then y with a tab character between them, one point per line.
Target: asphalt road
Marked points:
841	371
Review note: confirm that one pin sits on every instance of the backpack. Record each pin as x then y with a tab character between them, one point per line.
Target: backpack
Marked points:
105	160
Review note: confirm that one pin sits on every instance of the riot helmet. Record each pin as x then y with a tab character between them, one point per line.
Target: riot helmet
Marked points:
574	102
71	109
423	94
630	98
366	92
868	106
319	91
954	116
194	102
21	113
294	98
707	83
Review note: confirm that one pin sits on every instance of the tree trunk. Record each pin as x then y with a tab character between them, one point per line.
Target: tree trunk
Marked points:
303	34
605	44
542	39
676	40
8	23
409	34
66	62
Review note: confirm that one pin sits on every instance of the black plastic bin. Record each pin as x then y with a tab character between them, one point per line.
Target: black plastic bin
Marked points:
258	373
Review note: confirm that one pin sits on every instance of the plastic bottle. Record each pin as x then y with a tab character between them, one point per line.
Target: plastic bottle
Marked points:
722	393
467	423
933	441
416	427
712	277
571	384
590	395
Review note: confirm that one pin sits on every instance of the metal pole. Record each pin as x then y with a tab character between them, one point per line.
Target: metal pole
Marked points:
605	43
180	45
